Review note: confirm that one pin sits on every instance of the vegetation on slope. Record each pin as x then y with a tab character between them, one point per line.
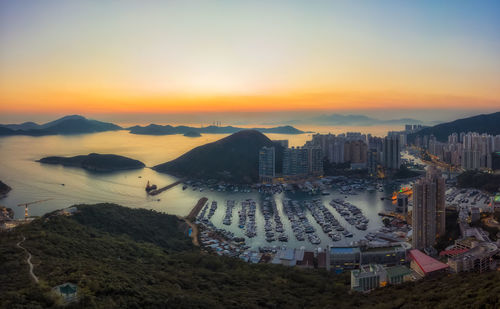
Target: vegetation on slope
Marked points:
405	172
155	129
486	123
96	162
112	270
479	180
4	188
234	158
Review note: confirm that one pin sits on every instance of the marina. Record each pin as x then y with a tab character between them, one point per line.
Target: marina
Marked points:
284	205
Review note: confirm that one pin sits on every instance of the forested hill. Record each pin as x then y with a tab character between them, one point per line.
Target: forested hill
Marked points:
73	124
135	258
154	129
96	162
486	123
234	158
4	188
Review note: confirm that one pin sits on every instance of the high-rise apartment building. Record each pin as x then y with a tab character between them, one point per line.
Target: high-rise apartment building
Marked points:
392	152
315	161
302	161
267	170
428	215
295	162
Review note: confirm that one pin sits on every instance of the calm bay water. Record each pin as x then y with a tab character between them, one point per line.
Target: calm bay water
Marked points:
31	181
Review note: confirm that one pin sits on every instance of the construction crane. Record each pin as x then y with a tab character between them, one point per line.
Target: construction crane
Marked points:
31	203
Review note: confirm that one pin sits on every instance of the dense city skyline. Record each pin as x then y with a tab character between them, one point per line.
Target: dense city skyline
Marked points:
259	57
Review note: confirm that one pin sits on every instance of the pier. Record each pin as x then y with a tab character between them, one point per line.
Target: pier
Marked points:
158	191
192	216
197	208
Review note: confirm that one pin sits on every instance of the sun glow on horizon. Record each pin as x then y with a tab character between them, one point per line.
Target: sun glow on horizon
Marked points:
128	57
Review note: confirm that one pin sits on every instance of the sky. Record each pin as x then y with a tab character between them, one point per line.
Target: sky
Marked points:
234	57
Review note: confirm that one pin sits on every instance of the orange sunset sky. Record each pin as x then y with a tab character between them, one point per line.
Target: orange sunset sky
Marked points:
234	56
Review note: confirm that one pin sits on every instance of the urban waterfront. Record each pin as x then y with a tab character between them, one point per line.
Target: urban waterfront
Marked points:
66	186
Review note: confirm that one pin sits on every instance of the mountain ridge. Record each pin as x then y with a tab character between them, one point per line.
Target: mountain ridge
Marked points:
234	158
67	125
483	123
155	129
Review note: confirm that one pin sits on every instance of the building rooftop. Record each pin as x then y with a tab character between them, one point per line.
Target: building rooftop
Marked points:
287	254
400	270
425	262
452	252
344	250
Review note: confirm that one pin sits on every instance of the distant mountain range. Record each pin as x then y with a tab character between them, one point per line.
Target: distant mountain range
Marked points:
74	124
234	158
154	129
352	120
485	123
96	162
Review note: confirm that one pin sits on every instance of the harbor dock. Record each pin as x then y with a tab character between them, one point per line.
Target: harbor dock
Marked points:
158	191
197	208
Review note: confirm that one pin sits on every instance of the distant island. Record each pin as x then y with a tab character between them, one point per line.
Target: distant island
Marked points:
356	120
486	123
234	158
96	162
74	124
154	129
4	189
192	134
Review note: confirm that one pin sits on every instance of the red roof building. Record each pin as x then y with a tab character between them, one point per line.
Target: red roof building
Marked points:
452	252
424	264
308	261
322	260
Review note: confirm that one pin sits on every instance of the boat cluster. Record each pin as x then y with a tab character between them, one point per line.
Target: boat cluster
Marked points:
213	185
270	211
251	227
201	215
350	213
329	224
229	212
213	207
299	222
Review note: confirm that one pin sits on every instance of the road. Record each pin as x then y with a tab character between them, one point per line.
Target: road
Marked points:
194	232
196	209
491	222
192	216
28	260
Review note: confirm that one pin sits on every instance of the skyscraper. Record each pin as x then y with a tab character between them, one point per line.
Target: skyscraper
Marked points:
392	152
266	164
295	162
315	161
428	216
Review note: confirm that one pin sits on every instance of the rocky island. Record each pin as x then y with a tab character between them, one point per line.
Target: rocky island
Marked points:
154	129
234	158
192	134
96	162
4	189
73	124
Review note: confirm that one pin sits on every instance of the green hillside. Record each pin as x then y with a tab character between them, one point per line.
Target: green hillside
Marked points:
96	162
117	267
487	123
234	158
